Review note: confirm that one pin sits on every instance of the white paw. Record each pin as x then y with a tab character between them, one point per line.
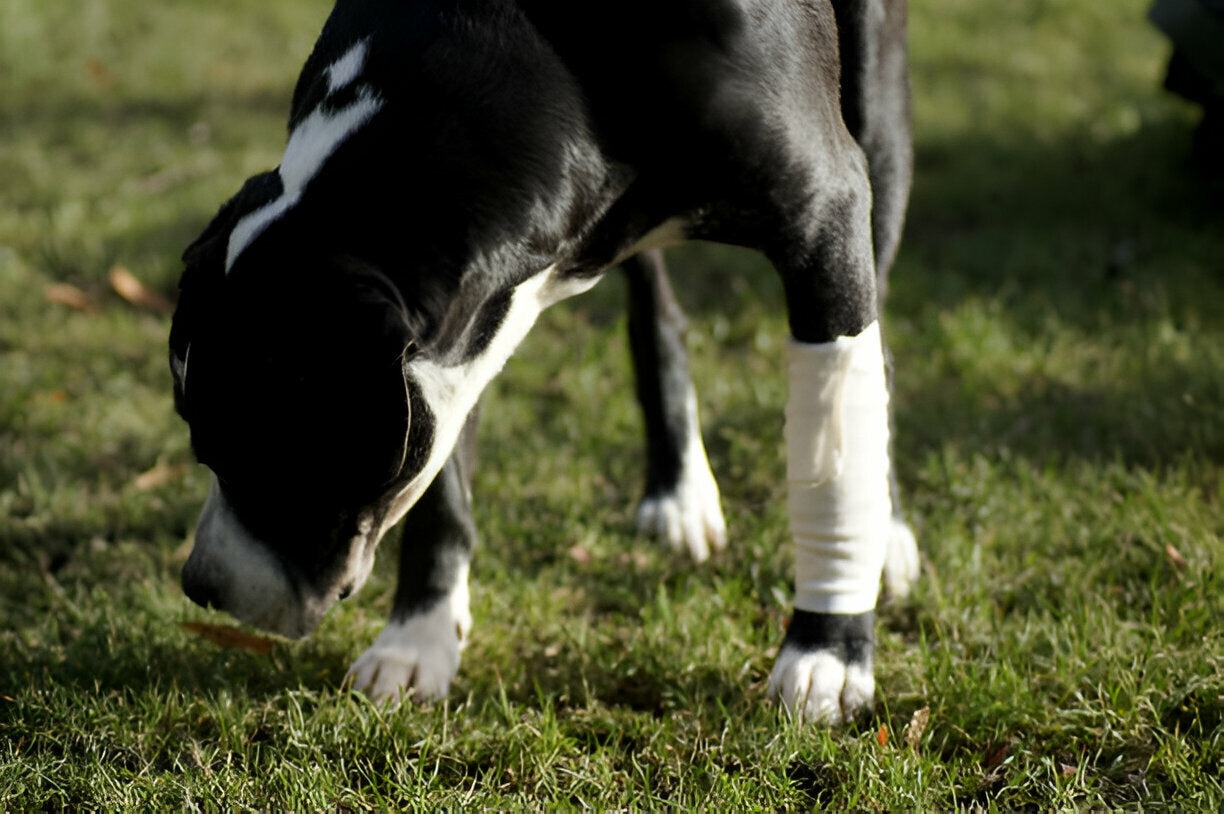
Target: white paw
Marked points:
901	561
417	657
818	687
689	518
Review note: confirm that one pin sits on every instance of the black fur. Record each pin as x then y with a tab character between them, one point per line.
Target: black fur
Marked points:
851	637
660	364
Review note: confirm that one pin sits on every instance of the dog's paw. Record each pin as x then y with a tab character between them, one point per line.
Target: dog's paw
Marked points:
417	657
689	519
820	687
824	669
901	560
690	516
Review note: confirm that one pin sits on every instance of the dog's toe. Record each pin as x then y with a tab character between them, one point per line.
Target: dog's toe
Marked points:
694	526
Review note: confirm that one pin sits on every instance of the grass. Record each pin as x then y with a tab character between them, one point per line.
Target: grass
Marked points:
1055	313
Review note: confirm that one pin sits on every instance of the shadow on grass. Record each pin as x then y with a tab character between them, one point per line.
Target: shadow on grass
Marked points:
95	660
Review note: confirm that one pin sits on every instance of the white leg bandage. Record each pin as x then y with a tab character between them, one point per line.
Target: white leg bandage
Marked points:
837	471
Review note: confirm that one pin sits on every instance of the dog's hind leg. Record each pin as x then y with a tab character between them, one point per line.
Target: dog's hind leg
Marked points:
417	653
875	104
681	502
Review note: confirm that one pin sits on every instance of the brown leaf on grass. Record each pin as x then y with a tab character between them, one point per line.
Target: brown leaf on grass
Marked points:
99	73
135	292
1175	557
159	475
997	756
1068	770
230	636
72	297
917	725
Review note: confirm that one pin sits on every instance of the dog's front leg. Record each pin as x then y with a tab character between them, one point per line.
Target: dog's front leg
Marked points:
837	430
681	503
839	504
417	653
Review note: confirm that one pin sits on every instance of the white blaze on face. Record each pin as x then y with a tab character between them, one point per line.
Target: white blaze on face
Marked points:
342	72
311	143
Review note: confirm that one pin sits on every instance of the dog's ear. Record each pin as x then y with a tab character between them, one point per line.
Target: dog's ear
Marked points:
352	335
204	271
377	298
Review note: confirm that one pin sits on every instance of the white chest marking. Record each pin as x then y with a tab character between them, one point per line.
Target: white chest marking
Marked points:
452	391
310	145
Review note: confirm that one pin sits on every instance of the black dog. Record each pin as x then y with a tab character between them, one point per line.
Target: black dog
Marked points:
456	166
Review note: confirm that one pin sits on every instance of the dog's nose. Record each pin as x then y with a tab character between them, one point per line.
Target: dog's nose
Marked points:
203	592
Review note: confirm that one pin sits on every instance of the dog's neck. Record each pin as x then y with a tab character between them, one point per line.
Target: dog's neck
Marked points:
451	388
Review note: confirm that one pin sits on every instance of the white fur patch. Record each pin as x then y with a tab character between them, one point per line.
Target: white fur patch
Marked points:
837	471
310	145
251	584
818	687
418	656
347	68
690	517
422	652
453	390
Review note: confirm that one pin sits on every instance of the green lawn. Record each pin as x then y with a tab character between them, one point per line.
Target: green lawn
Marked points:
1058	323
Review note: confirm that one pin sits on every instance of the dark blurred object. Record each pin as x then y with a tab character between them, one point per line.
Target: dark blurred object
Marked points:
1196	68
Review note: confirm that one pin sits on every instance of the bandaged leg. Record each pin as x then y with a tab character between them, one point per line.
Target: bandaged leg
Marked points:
840	509
837	471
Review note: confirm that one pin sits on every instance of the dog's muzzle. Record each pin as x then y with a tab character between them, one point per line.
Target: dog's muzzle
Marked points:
230	570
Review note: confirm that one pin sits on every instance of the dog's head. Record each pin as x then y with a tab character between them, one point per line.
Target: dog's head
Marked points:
290	369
